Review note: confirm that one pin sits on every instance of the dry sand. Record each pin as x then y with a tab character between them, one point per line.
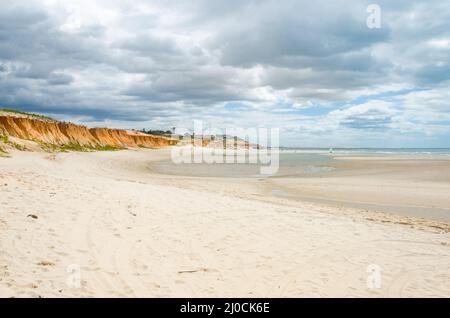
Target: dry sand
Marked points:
132	232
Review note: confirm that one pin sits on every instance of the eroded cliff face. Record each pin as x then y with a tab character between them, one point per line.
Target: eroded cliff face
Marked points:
62	133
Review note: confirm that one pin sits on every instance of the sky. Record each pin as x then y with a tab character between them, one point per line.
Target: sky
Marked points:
315	70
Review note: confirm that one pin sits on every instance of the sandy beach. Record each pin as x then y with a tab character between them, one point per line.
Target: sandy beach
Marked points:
103	224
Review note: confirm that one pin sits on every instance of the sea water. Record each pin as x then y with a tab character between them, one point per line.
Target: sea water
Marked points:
289	164
292	162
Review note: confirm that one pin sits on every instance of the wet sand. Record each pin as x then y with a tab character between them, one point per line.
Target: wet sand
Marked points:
410	185
415	185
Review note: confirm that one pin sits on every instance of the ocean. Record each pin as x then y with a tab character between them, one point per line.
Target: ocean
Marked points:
408	151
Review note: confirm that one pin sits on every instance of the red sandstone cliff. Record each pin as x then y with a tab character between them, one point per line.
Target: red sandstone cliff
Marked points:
62	133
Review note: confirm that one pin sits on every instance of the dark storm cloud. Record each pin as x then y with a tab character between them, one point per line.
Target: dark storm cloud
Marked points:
204	86
292	35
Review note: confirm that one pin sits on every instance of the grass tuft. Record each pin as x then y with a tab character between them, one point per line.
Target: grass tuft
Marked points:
75	148
38	116
5	140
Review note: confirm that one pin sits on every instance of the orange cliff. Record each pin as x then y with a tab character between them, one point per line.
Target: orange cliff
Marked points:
62	133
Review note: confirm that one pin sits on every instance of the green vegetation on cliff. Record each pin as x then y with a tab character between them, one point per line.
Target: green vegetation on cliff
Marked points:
75	147
37	116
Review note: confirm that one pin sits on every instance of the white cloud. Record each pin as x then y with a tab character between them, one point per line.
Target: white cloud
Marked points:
159	63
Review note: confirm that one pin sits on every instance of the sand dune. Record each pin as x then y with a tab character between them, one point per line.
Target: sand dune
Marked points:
131	233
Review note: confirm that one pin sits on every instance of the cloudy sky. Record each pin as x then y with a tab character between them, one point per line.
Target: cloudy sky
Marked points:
313	69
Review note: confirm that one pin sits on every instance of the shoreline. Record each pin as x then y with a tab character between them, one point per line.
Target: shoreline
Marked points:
408	185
